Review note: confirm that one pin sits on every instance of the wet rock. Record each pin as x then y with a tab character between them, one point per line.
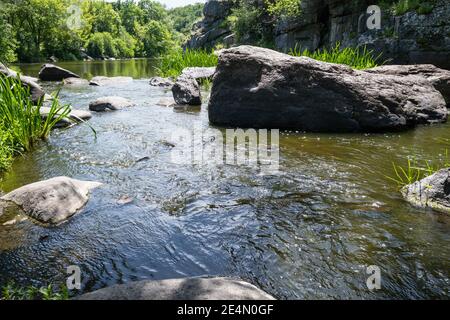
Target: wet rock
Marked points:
109	103
432	192
52	201
166	102
199	74
181	289
74	117
123	200
161	82
36	90
186	90
75	82
261	88
105	81
50	72
439	78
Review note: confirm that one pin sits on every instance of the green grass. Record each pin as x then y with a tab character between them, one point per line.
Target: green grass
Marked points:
415	171
357	58
13	292
172	64
21	124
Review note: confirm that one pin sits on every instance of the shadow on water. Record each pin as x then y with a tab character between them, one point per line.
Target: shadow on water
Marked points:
308	232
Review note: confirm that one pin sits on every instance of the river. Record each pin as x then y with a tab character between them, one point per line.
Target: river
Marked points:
308	232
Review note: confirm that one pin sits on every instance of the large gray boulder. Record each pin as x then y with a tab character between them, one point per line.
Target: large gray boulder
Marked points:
107	81
260	88
439	78
186	90
432	192
51	201
181	289
109	103
36	90
50	72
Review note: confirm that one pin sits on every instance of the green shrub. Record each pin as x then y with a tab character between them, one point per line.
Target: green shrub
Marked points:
14	292
284	8
172	64
359	58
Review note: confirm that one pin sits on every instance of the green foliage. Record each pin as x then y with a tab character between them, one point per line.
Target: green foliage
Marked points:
400	7
183	18
21	122
172	64
284	8
14	292
33	30
8	43
248	24
359	58
156	39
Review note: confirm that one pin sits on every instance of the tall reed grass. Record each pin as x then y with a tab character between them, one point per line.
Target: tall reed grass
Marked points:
172	64
21	123
357	58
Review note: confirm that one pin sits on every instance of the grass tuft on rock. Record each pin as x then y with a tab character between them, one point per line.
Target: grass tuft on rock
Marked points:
357	58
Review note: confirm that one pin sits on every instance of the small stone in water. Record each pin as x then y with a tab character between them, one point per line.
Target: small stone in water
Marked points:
125	200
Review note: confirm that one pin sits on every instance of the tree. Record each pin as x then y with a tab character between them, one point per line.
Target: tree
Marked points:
7	39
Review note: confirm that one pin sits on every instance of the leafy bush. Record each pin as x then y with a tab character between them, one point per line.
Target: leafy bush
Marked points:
284	8
359	58
14	292
172	64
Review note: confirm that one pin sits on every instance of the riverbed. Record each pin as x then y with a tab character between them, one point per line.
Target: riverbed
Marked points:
307	232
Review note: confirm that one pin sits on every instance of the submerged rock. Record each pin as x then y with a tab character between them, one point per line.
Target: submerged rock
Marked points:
111	103
105	81
262	88
181	289
166	102
432	192
52	201
186	90
439	78
199	73
50	72
75	82
36	90
161	82
74	117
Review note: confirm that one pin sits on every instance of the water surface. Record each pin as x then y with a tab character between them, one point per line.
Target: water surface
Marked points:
308	232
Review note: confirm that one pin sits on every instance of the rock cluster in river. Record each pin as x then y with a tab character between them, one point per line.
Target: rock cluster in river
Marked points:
51	201
431	192
260	88
181	289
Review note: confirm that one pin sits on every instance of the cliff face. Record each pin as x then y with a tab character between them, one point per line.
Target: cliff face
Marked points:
409	38
212	29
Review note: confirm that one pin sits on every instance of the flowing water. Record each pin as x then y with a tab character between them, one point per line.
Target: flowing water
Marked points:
308	232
